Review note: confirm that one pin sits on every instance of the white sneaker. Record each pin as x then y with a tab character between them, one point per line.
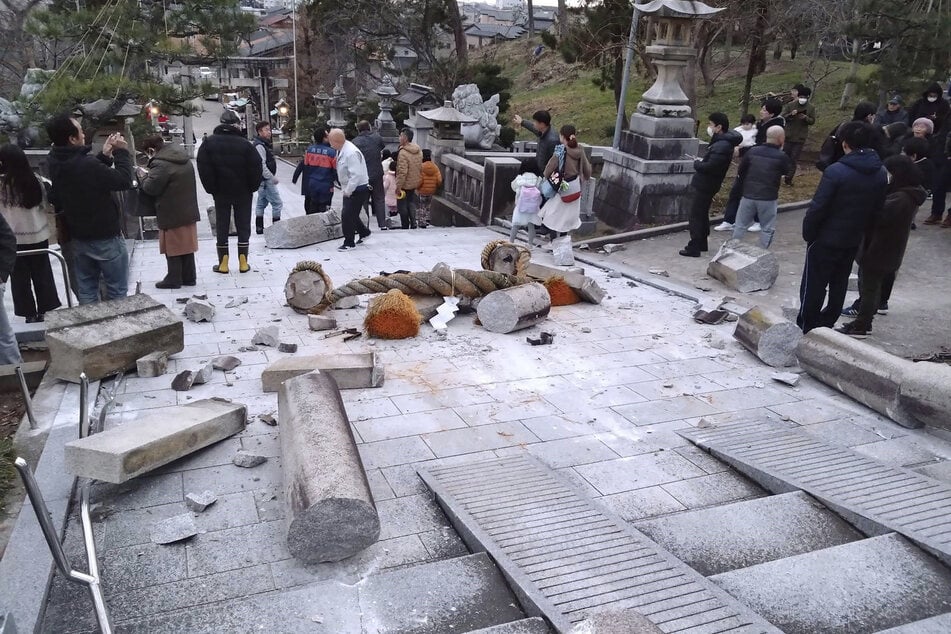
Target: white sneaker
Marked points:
755	228
724	226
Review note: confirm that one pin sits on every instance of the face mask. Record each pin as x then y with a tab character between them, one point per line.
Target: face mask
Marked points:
932	99
889	176
802	101
710	131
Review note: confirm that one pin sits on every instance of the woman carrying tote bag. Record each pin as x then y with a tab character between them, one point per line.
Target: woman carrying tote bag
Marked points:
562	213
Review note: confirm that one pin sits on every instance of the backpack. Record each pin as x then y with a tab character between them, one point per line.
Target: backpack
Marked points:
529	199
831	150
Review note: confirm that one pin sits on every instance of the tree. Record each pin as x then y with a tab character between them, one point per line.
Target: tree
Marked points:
16	47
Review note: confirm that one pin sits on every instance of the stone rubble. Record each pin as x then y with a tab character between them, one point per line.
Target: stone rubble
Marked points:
198	502
198	310
174	529
183	381
267	336
247	459
153	364
226	363
237	301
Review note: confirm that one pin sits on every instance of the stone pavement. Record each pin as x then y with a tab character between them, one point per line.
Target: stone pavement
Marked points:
917	323
601	405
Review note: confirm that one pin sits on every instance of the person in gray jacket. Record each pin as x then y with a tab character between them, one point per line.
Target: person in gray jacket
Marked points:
759	175
540	126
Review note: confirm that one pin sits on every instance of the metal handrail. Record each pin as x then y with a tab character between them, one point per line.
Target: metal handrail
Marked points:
27	400
62	262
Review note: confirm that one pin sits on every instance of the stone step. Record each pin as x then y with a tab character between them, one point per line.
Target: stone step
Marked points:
534	625
743	534
940	624
863	586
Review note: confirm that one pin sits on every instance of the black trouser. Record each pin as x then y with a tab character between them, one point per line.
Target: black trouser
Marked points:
314	205
378	202
825	268
871	284
406	206
33	273
350	220
939	188
793	150
699	220
240	204
888	283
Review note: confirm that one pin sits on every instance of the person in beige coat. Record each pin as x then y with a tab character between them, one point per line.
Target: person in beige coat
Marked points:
409	173
562	212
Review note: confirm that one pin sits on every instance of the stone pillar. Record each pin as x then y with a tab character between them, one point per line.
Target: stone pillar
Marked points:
497	192
385	124
187	141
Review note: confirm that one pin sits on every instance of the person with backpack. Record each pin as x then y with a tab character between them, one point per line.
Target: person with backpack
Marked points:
528	200
831	149
429	183
319	171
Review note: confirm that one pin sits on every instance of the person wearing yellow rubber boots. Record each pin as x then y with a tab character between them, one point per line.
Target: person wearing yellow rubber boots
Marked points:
230	170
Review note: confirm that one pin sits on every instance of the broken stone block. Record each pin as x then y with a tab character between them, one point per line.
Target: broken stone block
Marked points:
321	322
769	337
514	308
183	381
427	305
287	347
237	301
350	371
174	529
266	336
108	337
203	375
304	290
225	362
293	233
268	419
744	267
198	502
330	507
585	287
247	460
351	301
612	247
139	446
787	378
198	310
152	364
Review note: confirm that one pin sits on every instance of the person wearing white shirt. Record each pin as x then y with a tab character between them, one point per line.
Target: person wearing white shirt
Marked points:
354	183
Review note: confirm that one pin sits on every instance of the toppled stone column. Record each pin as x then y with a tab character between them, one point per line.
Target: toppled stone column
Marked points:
869	375
108	337
304	289
142	445
514	308
293	233
330	508
769	337
744	267
925	392
585	287
350	371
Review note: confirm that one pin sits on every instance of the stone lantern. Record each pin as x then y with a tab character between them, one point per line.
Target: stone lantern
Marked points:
321	99
417	98
385	124
446	135
338	105
646	180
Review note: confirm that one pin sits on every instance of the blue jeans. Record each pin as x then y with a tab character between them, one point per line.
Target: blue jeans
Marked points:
107	258
9	351
267	193
748	211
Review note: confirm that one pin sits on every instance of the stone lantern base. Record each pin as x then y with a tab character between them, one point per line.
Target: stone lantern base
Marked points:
647	181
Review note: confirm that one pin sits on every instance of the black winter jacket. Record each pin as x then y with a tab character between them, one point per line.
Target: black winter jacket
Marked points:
545	147
710	171
885	240
228	164
82	190
371	146
763	126
761	170
8	250
850	195
938	111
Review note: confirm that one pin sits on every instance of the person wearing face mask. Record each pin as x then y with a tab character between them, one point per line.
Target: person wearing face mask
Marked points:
709	173
799	115
931	106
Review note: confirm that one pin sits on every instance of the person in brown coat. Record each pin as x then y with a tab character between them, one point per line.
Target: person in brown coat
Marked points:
170	181
409	171
429	183
562	213
883	246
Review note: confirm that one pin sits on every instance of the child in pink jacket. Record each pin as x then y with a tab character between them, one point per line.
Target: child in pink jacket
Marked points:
389	189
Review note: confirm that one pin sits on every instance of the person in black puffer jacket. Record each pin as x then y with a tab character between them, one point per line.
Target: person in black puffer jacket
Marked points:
759	176
883	247
850	194
230	170
709	173
82	192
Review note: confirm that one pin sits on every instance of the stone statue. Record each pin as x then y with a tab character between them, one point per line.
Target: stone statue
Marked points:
466	99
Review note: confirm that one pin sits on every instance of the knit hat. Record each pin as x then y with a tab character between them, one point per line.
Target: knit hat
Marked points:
926	122
229	117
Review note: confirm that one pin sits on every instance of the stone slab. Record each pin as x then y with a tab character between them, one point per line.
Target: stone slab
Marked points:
744	267
301	231
534	625
864	586
455	595
137	447
32	371
350	371
108	337
153	364
174	529
743	534
321	322
940	624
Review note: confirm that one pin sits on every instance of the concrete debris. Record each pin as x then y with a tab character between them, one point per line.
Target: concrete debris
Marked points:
183	381
545	339
287	347
248	349
198	502
615	274
182	300
201	296
153	364
350	371
612	247
744	267
321	322
267	336
237	301
268	419
585	329
789	378
204	374
711	317
199	310
351	301
247	460
225	362
174	529
656	271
